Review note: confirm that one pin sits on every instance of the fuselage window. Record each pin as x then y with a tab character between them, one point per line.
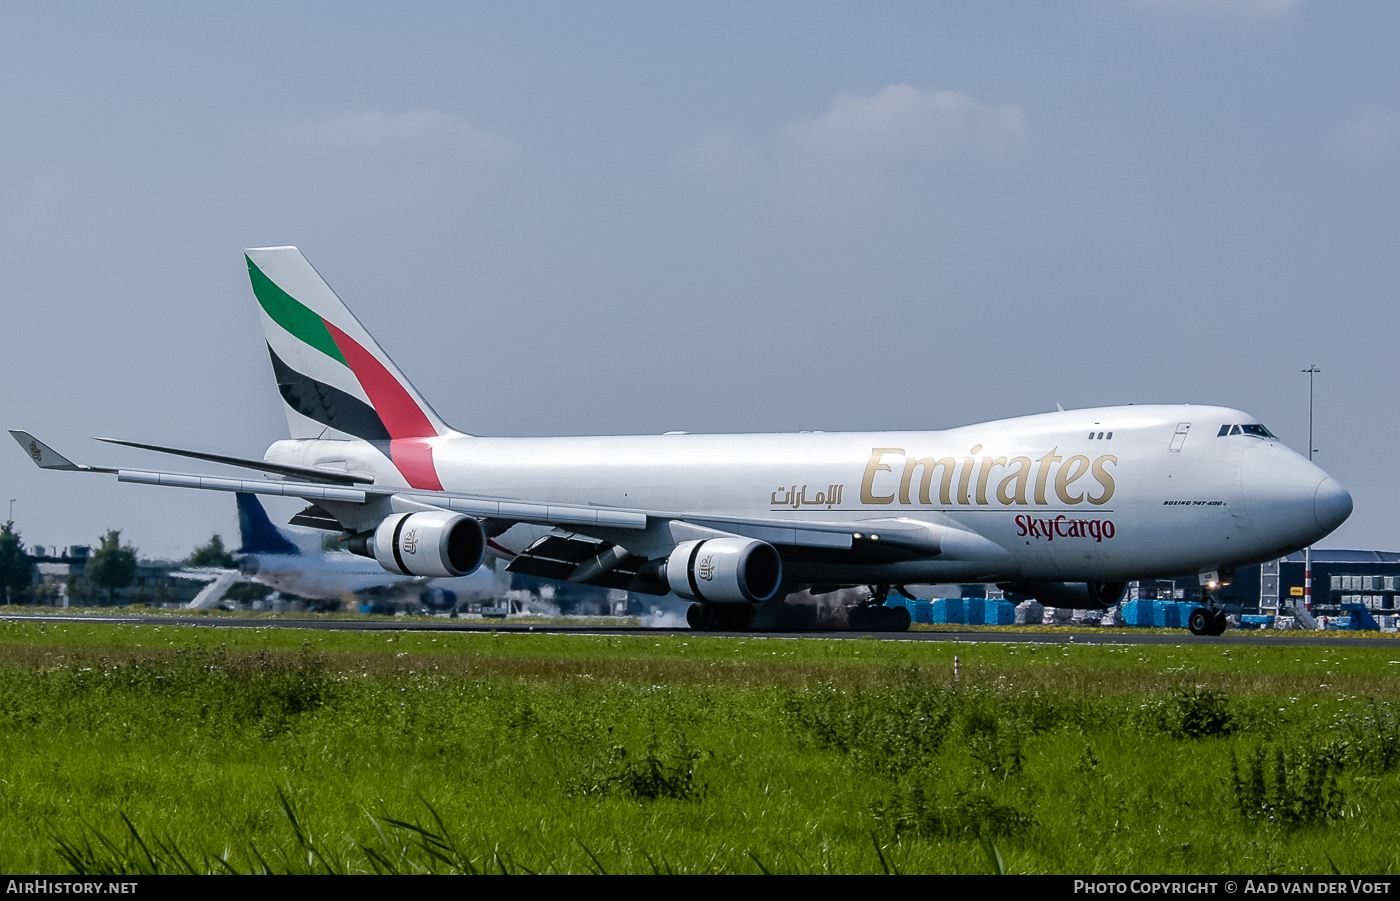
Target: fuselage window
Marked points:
1091	436
1110	436
1100	434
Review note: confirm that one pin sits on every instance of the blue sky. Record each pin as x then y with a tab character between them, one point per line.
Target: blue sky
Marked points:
630	218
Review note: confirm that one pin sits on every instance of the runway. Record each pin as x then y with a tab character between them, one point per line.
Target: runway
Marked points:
1020	635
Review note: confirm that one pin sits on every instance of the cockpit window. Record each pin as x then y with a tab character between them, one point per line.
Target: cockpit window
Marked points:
1253	428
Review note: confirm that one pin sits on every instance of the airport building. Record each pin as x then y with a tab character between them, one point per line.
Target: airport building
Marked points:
1340	577
1370	578
59	572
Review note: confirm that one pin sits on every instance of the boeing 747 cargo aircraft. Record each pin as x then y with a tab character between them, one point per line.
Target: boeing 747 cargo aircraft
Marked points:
1067	507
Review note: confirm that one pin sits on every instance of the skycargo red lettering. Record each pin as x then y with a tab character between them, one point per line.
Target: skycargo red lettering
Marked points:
1064	527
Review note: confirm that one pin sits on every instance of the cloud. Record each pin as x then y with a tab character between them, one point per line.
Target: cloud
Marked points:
862	146
379	132
1370	136
901	122
1257	9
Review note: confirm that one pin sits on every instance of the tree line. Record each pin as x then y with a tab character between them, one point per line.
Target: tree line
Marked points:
110	568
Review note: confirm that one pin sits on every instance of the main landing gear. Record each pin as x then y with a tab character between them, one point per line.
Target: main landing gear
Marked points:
874	616
719	617
1208	619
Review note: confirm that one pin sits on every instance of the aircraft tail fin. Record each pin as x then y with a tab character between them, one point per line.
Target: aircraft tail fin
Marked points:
335	381
331	373
257	532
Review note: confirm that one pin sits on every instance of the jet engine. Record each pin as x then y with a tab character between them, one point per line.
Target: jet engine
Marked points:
435	544
724	570
1076	595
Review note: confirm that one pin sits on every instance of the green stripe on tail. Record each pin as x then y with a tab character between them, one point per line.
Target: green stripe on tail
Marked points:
289	313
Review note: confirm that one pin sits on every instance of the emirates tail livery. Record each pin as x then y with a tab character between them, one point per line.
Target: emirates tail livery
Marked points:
1066	507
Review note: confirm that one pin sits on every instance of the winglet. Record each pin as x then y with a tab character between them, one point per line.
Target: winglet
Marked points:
43	455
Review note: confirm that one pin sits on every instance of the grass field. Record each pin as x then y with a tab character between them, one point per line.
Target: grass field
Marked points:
139	748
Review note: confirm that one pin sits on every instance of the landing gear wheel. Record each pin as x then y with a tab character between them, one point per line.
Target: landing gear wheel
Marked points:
732	617
878	618
697	617
1218	623
1199	622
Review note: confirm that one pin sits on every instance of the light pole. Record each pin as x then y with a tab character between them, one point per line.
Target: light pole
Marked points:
1312	372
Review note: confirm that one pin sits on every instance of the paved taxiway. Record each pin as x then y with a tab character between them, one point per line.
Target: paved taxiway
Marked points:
1309	639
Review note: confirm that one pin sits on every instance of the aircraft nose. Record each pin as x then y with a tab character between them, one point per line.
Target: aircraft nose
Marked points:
1331	504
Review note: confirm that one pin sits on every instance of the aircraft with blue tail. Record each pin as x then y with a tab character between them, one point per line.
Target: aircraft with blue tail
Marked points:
293	560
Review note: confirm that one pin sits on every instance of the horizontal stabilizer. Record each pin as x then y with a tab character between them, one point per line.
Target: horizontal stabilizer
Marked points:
316	517
214	592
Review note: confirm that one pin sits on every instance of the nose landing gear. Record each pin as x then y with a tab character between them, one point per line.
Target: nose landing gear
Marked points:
1208	619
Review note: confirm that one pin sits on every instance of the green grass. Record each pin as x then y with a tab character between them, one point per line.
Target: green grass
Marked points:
140	748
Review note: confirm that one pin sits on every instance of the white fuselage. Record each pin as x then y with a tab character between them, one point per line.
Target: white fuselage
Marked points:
1156	499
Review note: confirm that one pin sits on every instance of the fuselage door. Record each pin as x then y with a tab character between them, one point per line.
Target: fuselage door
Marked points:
1180	437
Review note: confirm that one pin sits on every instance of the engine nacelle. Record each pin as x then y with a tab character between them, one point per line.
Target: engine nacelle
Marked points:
435	544
1075	595
724	570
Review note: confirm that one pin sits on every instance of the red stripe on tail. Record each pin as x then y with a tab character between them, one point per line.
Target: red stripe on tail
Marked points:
404	420
401	415
414	458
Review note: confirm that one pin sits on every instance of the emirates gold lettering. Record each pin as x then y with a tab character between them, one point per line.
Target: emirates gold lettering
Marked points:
969	463
929	464
828	497
1072	469
867	484
1011	486
987	464
1019	479
1044	474
1103	478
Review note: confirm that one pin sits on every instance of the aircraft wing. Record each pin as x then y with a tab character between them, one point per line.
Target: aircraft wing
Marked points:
878	537
492	508
294	472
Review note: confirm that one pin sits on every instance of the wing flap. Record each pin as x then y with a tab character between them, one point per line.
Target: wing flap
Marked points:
543	514
781	534
211	483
